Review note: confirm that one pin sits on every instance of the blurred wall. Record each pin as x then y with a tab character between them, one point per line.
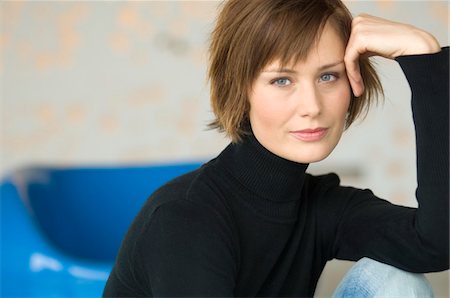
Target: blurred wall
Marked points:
105	82
91	83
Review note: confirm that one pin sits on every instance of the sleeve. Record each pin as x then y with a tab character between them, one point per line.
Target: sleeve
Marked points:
412	239
186	251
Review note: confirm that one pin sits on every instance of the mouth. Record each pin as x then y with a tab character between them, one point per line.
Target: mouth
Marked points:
310	134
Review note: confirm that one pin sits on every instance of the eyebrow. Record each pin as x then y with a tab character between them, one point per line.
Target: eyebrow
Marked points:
288	70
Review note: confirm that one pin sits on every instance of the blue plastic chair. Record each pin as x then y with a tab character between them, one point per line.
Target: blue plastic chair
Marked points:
61	228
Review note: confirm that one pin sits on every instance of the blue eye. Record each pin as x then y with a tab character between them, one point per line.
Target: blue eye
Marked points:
281	82
328	77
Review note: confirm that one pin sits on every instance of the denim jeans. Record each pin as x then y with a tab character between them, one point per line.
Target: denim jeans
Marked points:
369	278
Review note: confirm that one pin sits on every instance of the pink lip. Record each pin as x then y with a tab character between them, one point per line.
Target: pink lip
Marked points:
310	135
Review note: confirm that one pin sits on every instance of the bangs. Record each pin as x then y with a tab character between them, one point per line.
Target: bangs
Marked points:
290	33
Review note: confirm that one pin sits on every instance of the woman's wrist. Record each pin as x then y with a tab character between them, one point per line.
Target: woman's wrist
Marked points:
425	43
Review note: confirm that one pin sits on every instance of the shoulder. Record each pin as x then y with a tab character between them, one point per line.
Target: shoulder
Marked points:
321	184
196	187
327	190
333	202
185	214
325	179
189	197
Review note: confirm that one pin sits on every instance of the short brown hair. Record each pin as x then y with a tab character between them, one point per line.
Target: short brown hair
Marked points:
251	33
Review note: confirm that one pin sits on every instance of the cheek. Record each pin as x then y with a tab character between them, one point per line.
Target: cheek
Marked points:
341	102
267	110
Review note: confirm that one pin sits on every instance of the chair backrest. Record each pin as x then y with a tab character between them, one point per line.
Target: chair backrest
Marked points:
86	211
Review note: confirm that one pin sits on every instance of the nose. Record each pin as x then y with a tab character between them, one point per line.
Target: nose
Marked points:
309	102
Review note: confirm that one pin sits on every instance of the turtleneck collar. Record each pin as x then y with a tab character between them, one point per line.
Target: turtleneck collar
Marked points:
269	177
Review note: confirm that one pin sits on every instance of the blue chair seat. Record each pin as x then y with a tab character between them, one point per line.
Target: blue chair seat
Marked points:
62	227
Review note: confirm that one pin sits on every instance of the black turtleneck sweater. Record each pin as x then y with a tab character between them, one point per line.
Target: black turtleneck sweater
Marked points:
249	223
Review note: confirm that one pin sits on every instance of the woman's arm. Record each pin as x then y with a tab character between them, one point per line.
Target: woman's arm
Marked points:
408	238
428	76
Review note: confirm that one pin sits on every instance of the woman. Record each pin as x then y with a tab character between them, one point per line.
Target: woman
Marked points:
287	77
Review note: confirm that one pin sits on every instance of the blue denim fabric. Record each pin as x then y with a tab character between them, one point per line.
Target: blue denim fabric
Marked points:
369	278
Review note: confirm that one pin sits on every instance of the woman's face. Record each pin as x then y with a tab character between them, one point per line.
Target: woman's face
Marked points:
298	112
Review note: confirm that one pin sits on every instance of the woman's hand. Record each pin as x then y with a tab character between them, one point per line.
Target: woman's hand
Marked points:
373	36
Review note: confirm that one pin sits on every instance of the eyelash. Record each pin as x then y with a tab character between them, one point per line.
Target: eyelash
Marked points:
335	75
274	81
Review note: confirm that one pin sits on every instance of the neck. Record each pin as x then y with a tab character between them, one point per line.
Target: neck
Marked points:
265	174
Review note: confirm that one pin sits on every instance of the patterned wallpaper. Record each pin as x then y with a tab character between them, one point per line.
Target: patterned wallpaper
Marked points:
105	82
92	83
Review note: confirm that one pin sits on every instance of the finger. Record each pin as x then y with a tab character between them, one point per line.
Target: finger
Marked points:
352	66
355	50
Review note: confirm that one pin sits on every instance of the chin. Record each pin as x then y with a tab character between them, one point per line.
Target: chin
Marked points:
312	159
305	157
